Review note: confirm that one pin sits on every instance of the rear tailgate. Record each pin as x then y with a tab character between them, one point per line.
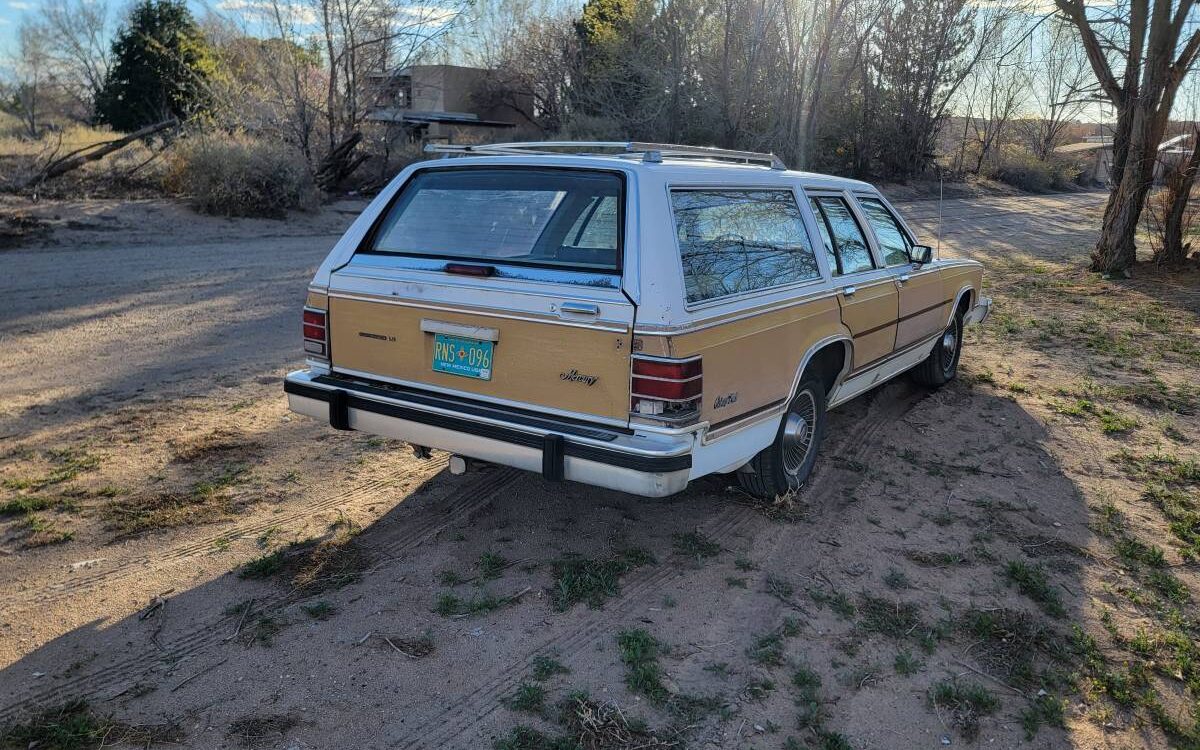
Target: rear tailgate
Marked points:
525	309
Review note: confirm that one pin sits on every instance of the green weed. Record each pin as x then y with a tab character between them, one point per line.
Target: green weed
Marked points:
590	580
1031	581
967	703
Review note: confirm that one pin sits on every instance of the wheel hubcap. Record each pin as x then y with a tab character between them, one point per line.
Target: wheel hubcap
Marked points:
798	432
949	343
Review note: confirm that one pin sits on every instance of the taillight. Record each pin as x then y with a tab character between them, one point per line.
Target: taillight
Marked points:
667	390
316	332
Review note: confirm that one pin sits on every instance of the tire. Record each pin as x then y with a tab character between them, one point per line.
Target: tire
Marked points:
784	465
941	366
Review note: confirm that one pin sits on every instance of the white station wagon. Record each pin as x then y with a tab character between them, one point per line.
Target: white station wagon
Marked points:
626	315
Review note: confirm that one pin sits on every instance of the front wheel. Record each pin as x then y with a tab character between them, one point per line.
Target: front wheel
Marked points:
941	366
784	465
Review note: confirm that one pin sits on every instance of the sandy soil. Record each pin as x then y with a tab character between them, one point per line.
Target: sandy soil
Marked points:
141	404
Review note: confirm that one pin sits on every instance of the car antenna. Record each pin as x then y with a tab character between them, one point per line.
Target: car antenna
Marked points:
941	182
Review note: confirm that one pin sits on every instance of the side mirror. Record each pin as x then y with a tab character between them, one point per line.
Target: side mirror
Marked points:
920	254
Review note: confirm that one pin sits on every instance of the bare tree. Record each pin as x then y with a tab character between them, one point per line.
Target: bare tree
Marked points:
1061	85
531	75
1179	214
31	79
1140	56
993	94
314	69
77	44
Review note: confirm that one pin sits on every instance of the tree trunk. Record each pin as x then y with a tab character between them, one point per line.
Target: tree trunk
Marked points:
1174	251
1133	172
95	152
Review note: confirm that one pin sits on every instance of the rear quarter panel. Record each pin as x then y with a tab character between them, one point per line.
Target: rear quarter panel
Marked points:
751	360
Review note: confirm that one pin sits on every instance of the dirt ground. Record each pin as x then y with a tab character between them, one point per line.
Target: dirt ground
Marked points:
1007	562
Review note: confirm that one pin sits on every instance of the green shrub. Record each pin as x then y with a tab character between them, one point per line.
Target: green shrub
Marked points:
237	175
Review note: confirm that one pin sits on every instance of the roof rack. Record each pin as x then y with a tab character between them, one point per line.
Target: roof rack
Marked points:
649	152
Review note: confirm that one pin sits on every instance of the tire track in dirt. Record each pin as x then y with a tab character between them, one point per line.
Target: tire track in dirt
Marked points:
464	500
885	405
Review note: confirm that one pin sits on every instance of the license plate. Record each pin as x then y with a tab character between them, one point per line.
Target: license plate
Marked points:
458	356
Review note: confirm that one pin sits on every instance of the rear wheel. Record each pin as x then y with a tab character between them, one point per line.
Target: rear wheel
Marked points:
786	464
941	366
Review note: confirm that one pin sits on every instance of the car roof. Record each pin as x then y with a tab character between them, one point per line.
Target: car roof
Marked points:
689	169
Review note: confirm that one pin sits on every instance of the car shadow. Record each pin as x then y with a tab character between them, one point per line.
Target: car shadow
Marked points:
942	491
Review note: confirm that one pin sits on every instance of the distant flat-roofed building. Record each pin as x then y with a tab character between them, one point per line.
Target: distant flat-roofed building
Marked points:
437	102
1095	153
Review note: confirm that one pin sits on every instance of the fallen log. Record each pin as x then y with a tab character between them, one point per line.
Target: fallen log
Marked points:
340	163
95	152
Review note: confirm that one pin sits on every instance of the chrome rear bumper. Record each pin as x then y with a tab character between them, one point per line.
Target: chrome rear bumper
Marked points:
642	464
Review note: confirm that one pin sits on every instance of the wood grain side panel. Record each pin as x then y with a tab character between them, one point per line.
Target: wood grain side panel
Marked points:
870	314
923	307
756	358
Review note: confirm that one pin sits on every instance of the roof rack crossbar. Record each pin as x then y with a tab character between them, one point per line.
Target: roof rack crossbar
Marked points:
649	152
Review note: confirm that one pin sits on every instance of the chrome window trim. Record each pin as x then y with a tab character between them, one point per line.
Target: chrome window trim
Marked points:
370	237
873	193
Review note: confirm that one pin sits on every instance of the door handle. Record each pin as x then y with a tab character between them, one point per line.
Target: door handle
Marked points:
849	291
903	278
579	308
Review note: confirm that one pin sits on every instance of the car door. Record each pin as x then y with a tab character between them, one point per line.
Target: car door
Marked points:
866	291
921	309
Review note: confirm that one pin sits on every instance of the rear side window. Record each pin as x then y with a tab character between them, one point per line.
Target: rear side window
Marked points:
892	240
844	239
733	241
556	218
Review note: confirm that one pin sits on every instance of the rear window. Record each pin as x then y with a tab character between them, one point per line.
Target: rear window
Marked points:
545	217
734	241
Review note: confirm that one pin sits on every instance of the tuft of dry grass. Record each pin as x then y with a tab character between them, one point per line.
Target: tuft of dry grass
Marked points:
205	501
595	725
257	730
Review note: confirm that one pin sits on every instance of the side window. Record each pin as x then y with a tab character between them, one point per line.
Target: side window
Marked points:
851	252
733	241
892	240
